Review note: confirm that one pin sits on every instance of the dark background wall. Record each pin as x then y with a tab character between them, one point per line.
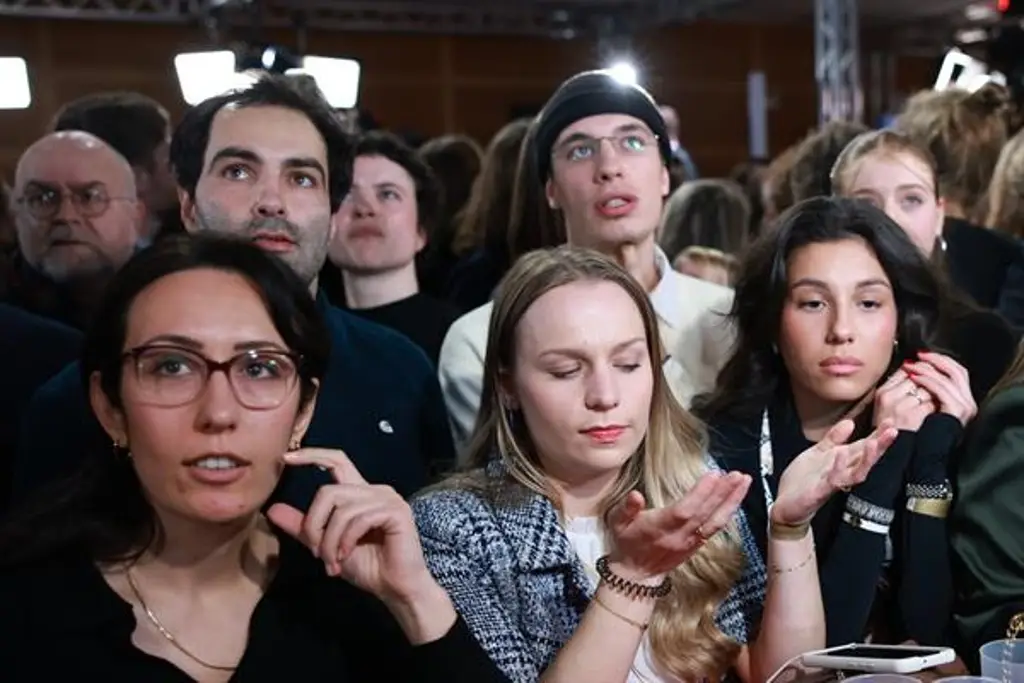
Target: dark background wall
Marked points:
433	84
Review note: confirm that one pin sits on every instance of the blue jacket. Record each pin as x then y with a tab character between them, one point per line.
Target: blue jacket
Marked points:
380	402
515	579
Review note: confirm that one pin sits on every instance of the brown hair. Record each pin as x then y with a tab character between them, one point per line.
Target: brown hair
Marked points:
484	222
705	213
685	639
455	161
532	224
777	193
882	142
810	175
1006	193
965	133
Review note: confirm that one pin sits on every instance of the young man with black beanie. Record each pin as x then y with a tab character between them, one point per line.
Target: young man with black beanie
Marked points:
603	151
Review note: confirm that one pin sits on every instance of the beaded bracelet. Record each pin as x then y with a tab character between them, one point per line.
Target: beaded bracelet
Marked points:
629	588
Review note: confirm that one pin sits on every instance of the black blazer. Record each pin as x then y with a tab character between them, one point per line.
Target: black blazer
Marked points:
380	402
850	560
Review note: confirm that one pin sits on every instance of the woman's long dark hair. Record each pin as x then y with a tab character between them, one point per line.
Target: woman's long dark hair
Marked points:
102	509
924	301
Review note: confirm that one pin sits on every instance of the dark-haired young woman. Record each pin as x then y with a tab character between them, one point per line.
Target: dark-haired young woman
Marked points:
156	563
839	315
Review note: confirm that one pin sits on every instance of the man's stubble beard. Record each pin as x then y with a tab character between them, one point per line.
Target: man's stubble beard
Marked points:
310	252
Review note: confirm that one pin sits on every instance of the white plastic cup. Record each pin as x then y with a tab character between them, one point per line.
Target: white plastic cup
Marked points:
1003	660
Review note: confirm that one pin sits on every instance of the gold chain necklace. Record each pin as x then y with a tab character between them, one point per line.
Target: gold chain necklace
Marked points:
167	634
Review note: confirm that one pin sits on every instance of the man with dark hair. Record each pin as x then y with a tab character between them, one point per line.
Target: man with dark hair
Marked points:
381	227
139	129
271	164
601	152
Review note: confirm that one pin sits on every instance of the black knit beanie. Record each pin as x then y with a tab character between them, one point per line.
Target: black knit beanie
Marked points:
589	94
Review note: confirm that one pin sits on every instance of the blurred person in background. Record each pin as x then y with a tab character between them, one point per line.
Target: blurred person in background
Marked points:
482	239
381	226
139	128
78	219
1005	205
776	190
749	176
455	161
811	172
965	133
703	227
682	167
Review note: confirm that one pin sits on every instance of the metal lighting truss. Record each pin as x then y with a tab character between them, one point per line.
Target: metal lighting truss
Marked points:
837	61
566	18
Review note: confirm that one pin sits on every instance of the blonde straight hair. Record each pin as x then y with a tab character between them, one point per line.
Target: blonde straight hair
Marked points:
685	640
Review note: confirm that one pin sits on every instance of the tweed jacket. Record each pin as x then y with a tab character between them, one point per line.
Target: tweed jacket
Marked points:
514	578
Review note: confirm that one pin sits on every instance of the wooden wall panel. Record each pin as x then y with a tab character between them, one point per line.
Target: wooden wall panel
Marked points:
436	84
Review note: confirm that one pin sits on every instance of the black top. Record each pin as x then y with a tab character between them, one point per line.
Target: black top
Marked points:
423	319
34	349
987	265
380	402
62	621
850	559
475	278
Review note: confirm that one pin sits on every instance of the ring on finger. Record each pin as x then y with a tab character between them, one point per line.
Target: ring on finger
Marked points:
703	535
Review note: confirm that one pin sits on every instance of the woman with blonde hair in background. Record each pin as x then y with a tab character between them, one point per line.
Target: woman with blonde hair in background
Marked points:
1006	193
592	537
703	225
965	132
893	172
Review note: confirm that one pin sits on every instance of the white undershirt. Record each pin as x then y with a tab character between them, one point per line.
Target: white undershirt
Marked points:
587	539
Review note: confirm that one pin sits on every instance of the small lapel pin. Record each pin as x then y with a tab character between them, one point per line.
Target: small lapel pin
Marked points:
385	427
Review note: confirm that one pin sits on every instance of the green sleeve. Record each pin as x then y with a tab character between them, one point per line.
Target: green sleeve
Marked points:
987	524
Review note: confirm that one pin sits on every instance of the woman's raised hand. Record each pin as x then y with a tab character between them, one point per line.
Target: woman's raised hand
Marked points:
649	543
363	533
828	466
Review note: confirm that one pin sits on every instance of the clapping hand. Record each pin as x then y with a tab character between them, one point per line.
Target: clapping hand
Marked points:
363	533
649	543
826	467
947	382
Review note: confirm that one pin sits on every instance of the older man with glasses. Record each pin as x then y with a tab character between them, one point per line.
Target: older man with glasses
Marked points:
77	217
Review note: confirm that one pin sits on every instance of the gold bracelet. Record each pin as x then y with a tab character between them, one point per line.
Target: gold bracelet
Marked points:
788	570
930	507
788	532
632	622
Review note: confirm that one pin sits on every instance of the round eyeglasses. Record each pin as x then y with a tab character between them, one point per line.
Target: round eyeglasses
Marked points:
44	203
170	376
